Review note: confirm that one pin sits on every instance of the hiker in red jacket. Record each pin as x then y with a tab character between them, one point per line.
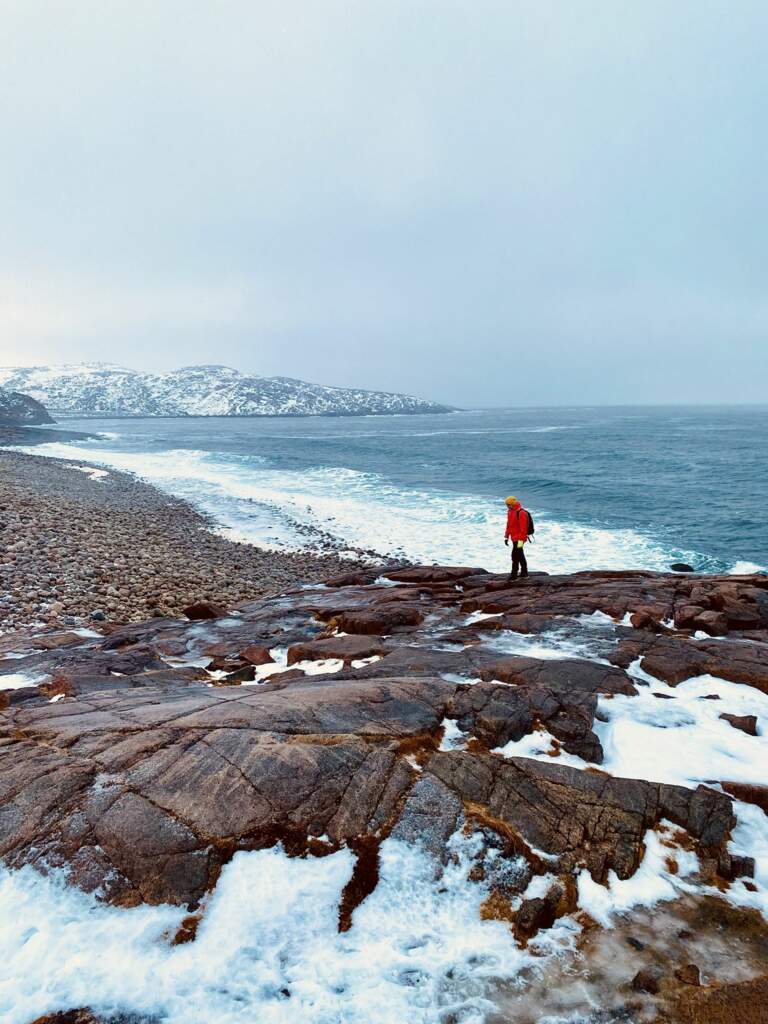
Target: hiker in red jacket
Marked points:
519	526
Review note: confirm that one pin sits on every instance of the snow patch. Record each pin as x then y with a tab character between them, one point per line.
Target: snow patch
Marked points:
652	883
453	737
540	745
92	472
268	947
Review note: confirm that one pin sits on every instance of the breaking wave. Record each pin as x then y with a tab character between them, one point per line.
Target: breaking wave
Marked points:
276	507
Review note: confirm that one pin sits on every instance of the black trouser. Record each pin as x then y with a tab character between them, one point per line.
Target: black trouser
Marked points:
519	562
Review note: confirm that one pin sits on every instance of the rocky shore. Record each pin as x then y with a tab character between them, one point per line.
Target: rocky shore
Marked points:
78	544
586	749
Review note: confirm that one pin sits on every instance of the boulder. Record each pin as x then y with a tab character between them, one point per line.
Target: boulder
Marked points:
257	655
687	615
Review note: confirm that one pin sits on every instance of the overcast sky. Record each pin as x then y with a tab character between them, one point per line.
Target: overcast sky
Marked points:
488	203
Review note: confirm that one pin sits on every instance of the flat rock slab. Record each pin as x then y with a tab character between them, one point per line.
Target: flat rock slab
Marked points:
567	674
142	779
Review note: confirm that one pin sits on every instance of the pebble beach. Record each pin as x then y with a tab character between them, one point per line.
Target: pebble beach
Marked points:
79	544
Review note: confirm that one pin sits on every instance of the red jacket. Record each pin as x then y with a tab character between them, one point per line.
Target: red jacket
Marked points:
517	524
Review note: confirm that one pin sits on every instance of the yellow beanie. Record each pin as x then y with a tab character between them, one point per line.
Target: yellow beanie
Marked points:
511	500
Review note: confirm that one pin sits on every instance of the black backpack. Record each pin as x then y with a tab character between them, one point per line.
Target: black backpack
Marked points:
531	527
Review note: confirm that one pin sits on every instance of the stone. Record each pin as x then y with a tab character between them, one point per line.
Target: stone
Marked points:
143	780
204	610
579	816
688	974
749	793
681	567
81	1016
496	714
562	674
745	723
347	648
257	655
378	621
647	980
743	1002
713	622
536	913
675	659
433	574
686	617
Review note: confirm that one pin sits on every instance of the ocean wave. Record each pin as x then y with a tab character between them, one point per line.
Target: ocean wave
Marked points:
366	510
746	568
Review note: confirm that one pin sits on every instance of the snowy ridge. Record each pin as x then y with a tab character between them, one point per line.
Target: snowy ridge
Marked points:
102	389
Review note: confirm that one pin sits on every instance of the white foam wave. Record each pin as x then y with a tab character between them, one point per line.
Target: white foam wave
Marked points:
367	511
18	680
268	947
747	568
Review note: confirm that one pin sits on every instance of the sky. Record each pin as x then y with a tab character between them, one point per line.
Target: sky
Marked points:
523	202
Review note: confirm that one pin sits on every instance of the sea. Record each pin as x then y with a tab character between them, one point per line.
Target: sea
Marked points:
609	488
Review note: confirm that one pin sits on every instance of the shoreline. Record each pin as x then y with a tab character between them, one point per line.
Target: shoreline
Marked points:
77	540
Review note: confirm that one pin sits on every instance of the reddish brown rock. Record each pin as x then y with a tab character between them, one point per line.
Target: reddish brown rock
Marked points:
750	794
686	617
581	816
204	610
675	659
82	1016
537	913
53	641
688	974
745	723
497	714
647	980
379	620
744	1002
144	779
714	623
257	655
644	620
347	648
433	574
177	799
564	674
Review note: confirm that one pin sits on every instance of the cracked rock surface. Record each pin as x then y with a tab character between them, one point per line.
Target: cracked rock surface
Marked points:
138	768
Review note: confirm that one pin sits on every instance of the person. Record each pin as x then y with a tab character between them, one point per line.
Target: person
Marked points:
518	528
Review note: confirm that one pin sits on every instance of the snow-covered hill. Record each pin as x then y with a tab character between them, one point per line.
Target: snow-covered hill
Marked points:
21	410
101	389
